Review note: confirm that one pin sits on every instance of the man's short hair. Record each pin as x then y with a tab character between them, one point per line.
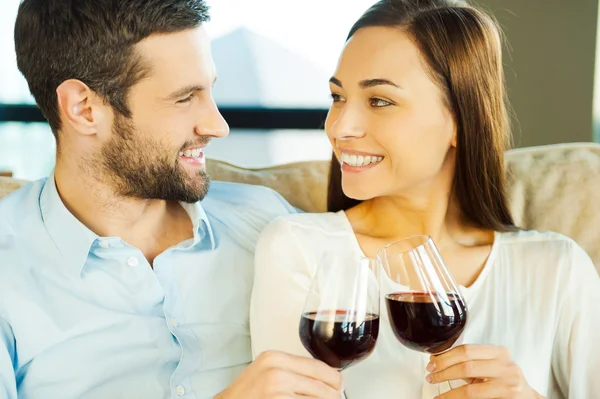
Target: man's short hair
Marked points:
93	41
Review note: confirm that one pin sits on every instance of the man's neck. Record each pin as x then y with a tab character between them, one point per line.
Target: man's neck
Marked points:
149	225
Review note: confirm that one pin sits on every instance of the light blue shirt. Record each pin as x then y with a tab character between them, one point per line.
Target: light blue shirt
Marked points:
86	317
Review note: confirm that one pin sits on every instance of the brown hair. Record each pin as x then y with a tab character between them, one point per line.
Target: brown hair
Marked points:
93	41
461	49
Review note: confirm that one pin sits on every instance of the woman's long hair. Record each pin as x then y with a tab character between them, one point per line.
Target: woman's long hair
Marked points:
462	50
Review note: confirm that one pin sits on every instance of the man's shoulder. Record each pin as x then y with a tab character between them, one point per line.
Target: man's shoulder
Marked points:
244	210
19	222
20	206
248	197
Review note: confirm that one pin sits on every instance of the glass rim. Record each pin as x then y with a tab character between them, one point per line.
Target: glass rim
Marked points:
383	249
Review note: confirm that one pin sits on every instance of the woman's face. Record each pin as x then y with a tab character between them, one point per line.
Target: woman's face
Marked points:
388	123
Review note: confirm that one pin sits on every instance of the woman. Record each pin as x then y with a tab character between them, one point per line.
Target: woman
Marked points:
419	126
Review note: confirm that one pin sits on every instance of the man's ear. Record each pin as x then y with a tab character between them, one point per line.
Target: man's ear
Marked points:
80	107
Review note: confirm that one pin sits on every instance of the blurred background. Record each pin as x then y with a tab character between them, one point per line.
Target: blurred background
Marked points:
274	58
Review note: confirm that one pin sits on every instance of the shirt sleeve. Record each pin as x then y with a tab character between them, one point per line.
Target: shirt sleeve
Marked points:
287	207
8	386
283	275
576	355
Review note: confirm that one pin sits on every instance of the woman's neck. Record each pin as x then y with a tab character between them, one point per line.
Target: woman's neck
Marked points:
392	218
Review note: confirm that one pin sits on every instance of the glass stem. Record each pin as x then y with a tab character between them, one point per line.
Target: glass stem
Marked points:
440	388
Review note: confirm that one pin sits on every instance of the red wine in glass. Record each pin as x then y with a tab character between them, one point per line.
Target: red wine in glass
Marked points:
425	308
338	338
426	322
339	324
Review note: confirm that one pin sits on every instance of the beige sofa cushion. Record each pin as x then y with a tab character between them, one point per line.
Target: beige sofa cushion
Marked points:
555	187
552	188
8	185
303	184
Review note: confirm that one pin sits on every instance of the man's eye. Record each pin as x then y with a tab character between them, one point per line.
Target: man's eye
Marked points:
186	100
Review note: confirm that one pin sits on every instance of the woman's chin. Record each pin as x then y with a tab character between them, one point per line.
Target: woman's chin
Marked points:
357	193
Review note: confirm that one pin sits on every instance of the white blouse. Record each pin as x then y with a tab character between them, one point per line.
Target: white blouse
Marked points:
538	295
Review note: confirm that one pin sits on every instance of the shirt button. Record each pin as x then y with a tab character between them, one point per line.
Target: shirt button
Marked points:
133	261
180	390
173	322
103	244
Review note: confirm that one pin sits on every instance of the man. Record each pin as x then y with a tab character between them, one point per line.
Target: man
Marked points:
119	276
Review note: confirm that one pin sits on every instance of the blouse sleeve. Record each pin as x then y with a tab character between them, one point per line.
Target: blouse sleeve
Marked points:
282	279
576	354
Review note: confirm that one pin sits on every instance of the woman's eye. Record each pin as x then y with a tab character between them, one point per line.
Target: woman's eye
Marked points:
336	97
379	103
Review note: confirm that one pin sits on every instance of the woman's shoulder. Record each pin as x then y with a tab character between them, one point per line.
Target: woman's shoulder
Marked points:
536	240
313	223
304	237
544	248
311	230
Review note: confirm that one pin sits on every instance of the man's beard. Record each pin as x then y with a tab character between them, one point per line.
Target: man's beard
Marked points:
137	167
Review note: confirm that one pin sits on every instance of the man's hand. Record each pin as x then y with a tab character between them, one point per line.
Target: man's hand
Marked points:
279	375
488	370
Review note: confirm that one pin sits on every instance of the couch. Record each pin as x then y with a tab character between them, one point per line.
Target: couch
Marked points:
554	187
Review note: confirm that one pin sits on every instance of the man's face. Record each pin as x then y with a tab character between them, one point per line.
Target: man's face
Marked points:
158	152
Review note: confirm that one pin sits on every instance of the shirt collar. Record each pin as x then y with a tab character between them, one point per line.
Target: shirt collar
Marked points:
74	240
200	223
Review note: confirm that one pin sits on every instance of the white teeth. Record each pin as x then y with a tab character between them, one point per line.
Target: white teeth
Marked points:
196	153
359	160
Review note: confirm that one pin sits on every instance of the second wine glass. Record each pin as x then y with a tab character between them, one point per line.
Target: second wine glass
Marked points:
426	310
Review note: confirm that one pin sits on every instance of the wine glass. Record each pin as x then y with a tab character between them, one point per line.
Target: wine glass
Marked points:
426	310
340	319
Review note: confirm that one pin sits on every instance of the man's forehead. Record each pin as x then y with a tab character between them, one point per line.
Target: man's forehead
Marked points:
178	53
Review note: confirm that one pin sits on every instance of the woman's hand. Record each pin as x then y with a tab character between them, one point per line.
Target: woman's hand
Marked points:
488	370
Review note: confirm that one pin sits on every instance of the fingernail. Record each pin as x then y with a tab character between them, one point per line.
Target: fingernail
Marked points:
431	366
429	378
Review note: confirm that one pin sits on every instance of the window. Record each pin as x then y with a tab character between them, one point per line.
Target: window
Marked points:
13	87
288	50
269	54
